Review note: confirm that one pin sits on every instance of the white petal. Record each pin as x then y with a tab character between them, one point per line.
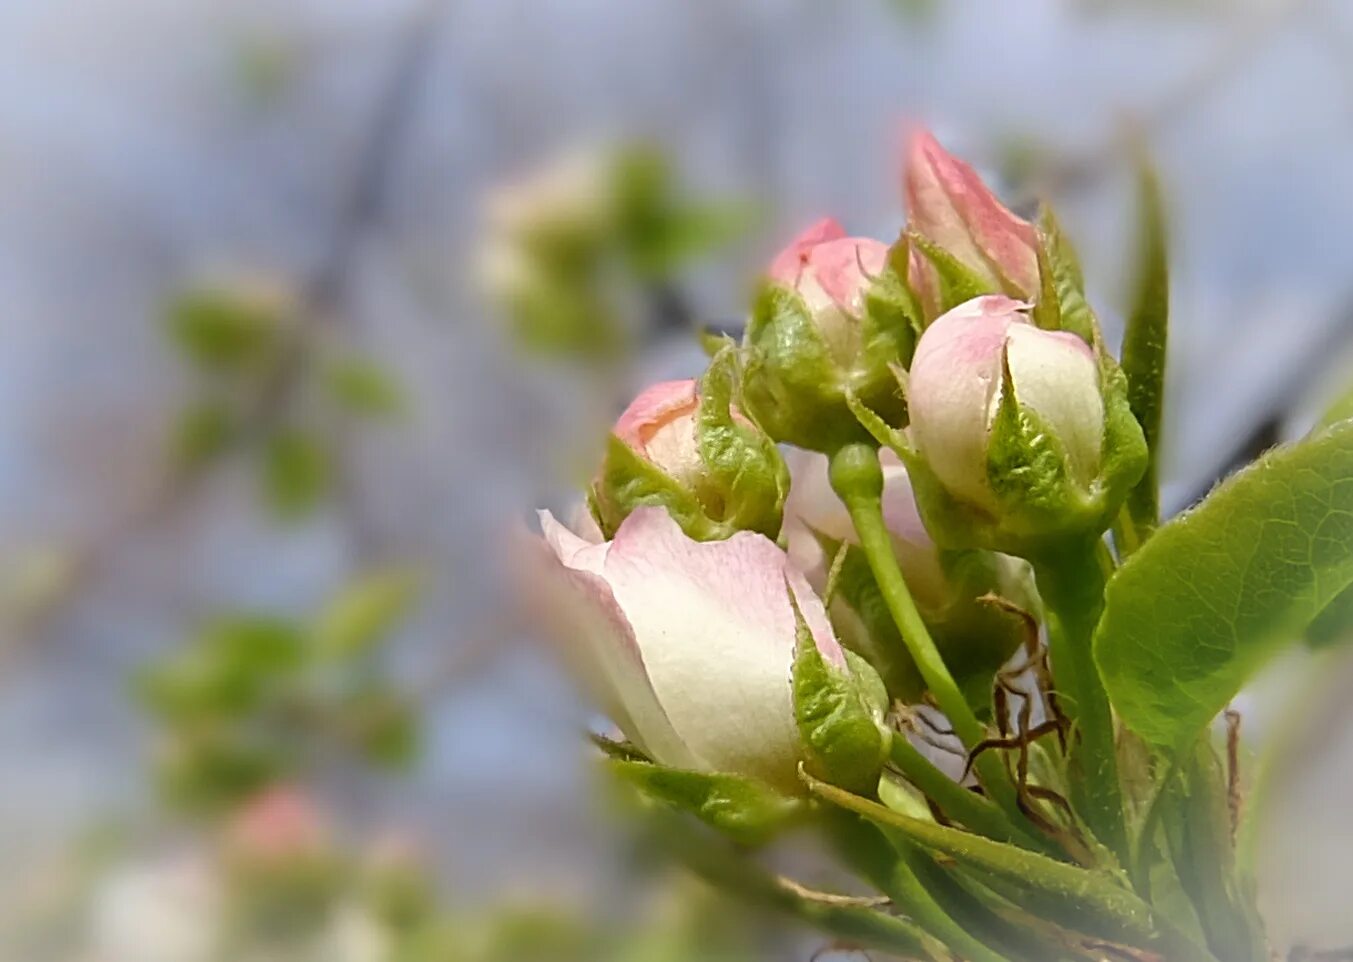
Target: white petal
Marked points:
1056	375
716	629
598	641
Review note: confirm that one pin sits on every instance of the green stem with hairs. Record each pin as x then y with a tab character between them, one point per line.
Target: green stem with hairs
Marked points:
1071	582
972	811
857	479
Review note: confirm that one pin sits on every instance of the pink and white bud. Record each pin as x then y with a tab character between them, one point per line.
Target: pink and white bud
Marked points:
832	273
948	204
660	426
687	645
955	388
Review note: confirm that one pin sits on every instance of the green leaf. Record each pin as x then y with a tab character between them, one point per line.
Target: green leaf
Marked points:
1144	347
363	387
1217	592
745	809
223	330
296	474
839	713
364	612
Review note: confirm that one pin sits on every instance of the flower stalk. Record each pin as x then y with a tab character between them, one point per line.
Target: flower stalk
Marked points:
857	478
1071	582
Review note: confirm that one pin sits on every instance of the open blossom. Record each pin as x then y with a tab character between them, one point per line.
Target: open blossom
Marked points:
948	204
832	272
955	389
687	645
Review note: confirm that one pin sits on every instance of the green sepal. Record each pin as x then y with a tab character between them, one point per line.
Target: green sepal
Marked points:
628	481
747	810
1060	270
791	382
1127	461
742	483
958	283
746	480
840	712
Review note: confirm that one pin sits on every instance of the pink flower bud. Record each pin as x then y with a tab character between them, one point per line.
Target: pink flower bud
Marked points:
955	385
281	824
950	206
688	645
832	273
659	425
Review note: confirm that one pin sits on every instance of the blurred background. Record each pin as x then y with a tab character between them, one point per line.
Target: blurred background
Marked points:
307	304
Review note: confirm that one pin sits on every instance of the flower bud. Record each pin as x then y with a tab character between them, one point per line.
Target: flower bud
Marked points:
833	319
1021	429
684	446
687	645
950	207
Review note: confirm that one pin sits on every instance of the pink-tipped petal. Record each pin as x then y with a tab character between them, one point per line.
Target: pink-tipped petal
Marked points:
717	630
845	268
787	264
950	205
577	607
654	405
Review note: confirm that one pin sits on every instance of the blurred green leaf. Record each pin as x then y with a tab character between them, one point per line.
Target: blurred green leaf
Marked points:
202	432
1144	347
213	772
362	386
660	230
364	612
224	670
296	473
386	727
223	330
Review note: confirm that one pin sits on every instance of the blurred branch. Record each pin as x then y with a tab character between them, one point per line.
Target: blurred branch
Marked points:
321	304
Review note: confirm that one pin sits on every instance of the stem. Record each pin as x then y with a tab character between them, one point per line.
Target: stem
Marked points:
972	811
857	479
892	870
1072	585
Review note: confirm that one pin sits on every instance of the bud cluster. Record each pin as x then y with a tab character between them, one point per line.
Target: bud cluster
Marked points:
718	575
